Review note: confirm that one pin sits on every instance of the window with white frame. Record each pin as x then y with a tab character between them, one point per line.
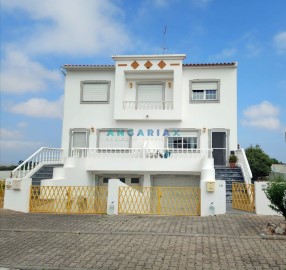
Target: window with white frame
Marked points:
182	143
204	91
185	139
95	91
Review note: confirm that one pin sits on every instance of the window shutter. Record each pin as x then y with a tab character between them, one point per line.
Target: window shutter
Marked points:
204	86
150	92
79	139
95	92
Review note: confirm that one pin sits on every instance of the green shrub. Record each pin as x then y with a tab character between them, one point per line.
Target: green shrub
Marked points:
276	193
232	159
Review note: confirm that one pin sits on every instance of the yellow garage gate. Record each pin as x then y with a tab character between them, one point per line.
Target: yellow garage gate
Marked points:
159	200
68	199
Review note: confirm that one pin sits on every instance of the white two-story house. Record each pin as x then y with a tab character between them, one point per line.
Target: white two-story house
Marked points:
148	120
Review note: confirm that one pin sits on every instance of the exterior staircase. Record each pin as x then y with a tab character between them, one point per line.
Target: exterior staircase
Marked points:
230	175
45	172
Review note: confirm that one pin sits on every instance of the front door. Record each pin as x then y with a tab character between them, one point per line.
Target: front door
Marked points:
219	148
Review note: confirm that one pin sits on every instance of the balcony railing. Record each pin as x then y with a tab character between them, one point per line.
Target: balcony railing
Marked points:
139	153
148	105
44	155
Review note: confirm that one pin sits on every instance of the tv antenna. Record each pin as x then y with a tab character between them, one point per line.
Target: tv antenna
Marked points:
164	46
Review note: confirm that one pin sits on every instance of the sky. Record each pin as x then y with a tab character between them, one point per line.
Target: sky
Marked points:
39	36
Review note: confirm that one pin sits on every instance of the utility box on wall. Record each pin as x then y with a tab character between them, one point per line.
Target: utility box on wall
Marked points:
16	184
210	186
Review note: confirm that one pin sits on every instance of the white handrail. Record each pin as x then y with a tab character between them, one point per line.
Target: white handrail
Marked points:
244	165
143	153
43	155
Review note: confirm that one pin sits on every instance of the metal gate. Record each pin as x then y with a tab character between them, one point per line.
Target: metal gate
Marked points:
159	200
243	197
68	199
2	193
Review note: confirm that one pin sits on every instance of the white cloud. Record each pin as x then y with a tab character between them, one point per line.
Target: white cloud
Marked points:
38	107
161	3
20	74
264	116
270	123
201	3
19	145
72	27
226	53
280	42
22	124
264	109
9	134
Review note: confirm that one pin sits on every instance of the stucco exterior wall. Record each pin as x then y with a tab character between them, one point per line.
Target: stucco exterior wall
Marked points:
220	115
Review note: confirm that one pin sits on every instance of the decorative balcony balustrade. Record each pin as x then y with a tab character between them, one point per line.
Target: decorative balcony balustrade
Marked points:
148	105
139	153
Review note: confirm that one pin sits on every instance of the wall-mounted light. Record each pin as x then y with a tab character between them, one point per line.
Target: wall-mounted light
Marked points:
169	84
92	129
130	85
204	130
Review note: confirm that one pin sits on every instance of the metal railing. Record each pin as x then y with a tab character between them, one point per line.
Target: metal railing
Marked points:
44	155
159	200
2	193
243	197
140	153
69	199
148	105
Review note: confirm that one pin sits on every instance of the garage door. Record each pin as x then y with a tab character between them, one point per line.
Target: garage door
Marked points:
114	139
176	181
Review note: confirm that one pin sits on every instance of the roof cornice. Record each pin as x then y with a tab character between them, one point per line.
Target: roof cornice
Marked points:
148	57
69	67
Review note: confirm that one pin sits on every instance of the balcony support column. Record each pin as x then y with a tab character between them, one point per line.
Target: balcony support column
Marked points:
147	180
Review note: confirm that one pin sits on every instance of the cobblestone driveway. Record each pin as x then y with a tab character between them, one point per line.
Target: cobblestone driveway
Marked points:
43	241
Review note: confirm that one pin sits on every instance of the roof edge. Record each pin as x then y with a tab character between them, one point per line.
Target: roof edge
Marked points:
230	64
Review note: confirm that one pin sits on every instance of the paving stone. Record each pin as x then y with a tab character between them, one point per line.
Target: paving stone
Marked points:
138	242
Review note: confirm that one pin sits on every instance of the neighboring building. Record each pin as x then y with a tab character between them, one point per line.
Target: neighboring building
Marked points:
148	119
279	170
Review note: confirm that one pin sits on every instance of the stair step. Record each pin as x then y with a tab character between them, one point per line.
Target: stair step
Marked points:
45	172
229	175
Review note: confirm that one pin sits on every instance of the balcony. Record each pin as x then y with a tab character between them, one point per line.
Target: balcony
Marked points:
140	160
147	105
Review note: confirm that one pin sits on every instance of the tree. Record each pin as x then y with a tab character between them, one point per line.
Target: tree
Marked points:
259	162
276	194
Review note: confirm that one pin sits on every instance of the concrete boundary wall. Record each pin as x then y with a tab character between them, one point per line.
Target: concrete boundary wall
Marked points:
17	199
261	201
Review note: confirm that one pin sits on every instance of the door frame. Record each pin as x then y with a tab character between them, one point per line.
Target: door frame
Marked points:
227	133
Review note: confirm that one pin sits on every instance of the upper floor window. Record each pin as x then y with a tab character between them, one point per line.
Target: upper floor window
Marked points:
149	92
95	92
204	91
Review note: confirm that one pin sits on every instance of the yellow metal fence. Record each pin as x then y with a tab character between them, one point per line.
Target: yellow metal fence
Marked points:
68	199
159	200
2	193
243	197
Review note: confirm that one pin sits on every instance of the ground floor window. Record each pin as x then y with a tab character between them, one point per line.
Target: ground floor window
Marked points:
182	142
